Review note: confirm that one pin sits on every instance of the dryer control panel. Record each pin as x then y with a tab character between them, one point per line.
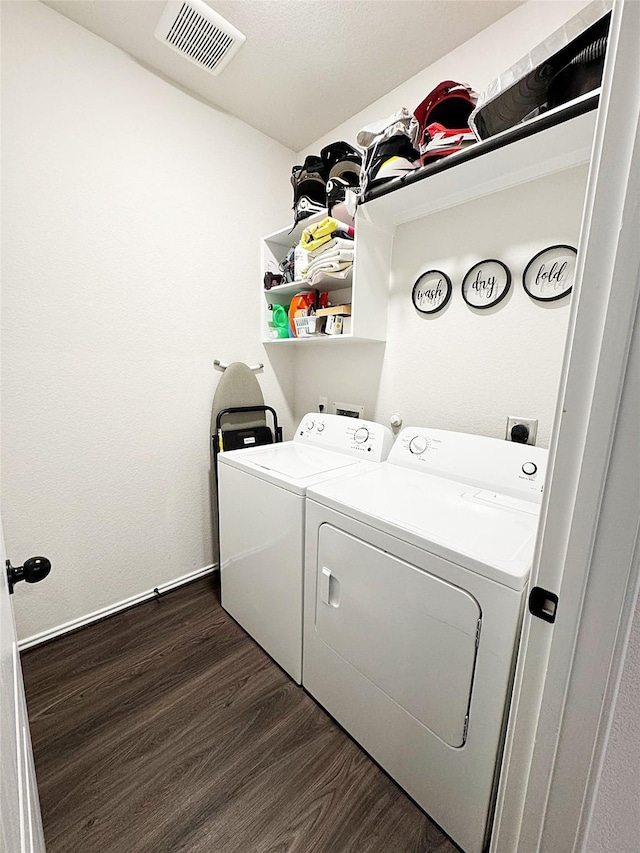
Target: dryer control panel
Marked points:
500	466
364	439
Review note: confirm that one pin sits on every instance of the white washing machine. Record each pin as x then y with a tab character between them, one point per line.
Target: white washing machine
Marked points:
261	496
415	583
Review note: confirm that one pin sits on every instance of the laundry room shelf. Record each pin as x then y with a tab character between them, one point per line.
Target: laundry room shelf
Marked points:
366	289
325	283
554	141
290	236
309	340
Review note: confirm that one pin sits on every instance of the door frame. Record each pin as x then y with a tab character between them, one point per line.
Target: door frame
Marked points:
586	552
20	818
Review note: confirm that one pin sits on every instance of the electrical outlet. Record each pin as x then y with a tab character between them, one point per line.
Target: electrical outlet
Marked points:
530	423
322	404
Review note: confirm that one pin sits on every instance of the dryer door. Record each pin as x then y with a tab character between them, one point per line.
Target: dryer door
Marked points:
411	633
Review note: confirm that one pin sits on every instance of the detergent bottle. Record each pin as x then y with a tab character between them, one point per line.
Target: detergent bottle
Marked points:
279	322
301	305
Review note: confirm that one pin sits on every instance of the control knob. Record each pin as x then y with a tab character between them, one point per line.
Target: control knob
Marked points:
418	444
320	427
529	468
309	425
361	435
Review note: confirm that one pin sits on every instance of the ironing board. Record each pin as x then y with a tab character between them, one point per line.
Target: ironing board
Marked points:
238	413
238	386
238	419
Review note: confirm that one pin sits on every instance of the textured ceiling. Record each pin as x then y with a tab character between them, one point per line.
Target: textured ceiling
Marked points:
306	66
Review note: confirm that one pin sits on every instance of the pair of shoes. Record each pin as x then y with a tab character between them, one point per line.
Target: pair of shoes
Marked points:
390	146
321	182
400	144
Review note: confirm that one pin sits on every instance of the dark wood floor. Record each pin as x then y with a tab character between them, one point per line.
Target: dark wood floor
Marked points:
166	729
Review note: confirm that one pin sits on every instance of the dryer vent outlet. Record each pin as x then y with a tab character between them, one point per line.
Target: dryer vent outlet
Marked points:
196	32
349	410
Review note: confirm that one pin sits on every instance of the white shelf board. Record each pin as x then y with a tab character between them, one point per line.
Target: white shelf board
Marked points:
286	290
290	236
555	149
326	283
318	339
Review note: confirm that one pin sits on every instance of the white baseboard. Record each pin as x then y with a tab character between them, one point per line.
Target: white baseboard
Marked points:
96	616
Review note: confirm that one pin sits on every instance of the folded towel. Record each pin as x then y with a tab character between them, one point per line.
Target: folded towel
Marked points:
320	277
327	260
334	243
318	233
331	266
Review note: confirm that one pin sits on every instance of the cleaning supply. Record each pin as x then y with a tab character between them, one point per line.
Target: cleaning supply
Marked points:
279	323
301	262
301	305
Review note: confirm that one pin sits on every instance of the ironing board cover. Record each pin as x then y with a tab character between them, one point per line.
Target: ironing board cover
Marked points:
238	386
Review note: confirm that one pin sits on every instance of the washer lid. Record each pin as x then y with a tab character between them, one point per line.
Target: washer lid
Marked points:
480	530
290	464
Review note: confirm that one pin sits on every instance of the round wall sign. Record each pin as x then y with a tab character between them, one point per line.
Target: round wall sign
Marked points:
431	292
486	283
549	274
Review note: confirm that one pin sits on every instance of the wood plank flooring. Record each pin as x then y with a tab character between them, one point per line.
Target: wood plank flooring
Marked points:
166	729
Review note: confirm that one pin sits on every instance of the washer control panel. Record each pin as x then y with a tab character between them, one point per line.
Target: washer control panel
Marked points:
418	444
342	434
490	463
361	435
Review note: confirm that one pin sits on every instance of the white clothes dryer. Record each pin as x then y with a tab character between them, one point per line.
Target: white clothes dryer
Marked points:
261	497
415	582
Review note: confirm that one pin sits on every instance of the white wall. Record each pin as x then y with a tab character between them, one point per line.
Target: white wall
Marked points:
461	369
130	236
614	816
129	217
478	62
468	369
616	810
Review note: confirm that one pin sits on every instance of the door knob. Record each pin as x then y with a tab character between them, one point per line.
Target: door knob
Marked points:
35	569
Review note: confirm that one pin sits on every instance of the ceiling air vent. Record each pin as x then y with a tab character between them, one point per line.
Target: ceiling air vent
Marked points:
199	34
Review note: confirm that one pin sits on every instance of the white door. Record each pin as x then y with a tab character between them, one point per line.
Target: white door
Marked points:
19	806
568	670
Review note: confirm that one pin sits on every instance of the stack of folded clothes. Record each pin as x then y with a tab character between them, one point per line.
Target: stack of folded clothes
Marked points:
329	247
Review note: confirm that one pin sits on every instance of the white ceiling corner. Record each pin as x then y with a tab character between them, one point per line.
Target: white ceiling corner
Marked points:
306	66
